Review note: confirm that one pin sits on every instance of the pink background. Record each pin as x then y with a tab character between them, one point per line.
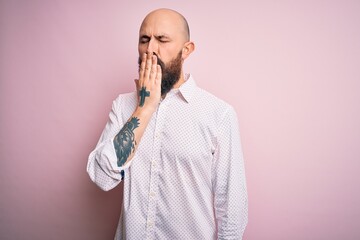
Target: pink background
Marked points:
291	69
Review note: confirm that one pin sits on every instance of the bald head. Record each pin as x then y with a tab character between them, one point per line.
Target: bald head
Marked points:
167	17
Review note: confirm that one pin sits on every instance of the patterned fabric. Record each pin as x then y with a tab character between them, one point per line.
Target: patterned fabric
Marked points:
186	179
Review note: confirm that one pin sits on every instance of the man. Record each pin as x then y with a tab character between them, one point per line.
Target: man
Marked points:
176	147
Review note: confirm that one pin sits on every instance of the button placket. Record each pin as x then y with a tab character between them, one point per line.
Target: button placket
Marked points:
154	171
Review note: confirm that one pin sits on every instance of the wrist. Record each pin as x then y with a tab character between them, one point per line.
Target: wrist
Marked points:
144	112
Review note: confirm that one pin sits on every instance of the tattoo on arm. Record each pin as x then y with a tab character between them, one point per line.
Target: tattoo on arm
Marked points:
143	94
124	141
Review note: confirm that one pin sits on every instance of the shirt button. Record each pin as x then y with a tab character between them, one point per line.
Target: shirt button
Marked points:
152	194
153	163
150	223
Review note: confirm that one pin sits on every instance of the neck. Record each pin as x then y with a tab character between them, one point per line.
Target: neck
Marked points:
178	83
181	80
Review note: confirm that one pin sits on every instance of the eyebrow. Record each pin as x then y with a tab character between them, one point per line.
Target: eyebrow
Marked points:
144	36
162	35
159	36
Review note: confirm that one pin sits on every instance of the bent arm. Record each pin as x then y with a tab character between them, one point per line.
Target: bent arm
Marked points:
149	90
119	141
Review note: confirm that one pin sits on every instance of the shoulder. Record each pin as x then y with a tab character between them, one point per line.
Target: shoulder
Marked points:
213	104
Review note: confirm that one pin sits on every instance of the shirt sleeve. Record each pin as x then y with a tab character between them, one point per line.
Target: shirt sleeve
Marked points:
229	184
102	162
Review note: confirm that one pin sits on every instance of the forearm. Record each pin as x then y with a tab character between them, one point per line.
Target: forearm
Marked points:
129	137
103	167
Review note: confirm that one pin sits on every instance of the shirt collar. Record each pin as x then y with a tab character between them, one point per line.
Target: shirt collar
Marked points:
187	89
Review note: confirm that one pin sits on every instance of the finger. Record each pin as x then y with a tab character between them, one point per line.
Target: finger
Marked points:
154	60
137	84
153	69
148	66
142	66
158	75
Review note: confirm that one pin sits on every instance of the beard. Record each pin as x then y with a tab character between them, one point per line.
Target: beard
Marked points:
170	72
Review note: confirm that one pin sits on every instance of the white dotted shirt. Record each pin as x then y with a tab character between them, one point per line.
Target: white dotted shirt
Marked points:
186	179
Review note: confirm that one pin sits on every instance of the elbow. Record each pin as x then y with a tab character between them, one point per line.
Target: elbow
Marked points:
105	184
100	178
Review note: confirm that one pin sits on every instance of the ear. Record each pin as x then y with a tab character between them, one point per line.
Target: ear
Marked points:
188	48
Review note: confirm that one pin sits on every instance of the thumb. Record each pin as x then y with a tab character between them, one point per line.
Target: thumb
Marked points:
137	84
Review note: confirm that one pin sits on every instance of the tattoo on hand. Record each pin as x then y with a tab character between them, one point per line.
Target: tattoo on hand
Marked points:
143	94
124	142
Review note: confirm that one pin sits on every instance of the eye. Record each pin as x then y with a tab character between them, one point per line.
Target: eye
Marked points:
163	39
144	39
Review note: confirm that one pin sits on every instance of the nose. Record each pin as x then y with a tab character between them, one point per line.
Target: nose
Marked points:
151	46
